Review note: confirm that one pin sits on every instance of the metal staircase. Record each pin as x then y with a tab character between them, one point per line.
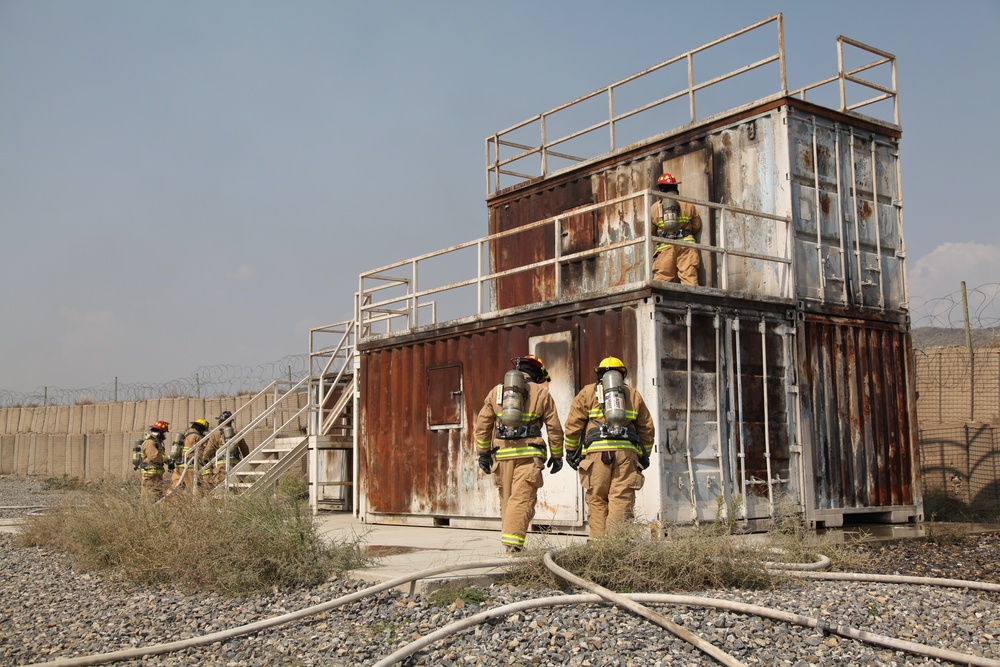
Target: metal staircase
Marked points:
290	420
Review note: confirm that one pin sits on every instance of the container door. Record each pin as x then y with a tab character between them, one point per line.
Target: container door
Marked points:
560	500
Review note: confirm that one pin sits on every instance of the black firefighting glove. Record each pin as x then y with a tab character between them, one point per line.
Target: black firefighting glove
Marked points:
554	464
643	461
170	466
574	456
485	461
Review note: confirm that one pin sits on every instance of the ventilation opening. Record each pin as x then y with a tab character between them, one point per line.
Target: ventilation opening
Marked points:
441	521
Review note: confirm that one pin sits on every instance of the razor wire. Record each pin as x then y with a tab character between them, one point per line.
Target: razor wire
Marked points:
205	382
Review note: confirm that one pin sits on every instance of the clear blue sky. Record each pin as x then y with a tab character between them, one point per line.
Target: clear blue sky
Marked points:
167	167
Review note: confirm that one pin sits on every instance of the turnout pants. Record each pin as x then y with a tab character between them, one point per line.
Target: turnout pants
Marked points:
677	261
518	481
151	487
610	488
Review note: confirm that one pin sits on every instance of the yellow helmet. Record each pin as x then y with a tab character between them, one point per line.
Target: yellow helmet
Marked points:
200	422
608	363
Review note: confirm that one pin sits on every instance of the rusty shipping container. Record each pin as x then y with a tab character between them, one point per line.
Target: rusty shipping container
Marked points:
782	382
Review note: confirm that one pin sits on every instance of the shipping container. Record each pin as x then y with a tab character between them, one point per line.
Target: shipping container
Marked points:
782	382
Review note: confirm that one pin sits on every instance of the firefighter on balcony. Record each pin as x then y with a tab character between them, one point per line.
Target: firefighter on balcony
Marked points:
182	453
672	261
617	434
221	440
151	460
509	429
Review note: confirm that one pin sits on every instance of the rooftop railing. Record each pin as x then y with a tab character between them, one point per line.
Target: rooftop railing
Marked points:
538	147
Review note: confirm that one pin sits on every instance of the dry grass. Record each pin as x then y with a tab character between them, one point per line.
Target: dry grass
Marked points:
232	545
630	561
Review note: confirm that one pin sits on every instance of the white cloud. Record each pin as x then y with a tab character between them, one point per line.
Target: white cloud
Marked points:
935	283
241	273
942	271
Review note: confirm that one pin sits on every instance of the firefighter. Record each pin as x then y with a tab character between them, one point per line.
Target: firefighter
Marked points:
510	444
617	434
234	453
187	466
672	261
153	461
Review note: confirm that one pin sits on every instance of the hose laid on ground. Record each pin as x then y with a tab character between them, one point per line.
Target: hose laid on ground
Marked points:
691	601
897	579
157	649
625	603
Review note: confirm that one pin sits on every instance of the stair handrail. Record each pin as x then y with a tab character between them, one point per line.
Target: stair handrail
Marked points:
190	459
344	347
246	461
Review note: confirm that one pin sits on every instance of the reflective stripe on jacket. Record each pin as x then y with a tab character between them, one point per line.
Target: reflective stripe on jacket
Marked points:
586	413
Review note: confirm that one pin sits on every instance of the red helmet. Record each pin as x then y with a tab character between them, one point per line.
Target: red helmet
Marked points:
160	426
532	362
667	179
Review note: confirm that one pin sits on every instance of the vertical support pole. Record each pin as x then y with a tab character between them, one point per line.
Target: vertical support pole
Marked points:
687	425
767	417
724	278
557	225
413	296
716	323
647	241
840	72
611	114
742	433
479	276
690	64
781	56
544	148
972	360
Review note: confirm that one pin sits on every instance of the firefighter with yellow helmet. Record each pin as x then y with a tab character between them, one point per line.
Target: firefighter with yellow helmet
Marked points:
672	261
183	453
609	437
151	460
511	447
222	441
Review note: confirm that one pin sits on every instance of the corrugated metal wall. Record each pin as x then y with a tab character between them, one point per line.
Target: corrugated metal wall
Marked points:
409	467
858	414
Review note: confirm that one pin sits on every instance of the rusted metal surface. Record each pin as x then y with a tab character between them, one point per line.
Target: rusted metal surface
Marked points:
409	468
858	413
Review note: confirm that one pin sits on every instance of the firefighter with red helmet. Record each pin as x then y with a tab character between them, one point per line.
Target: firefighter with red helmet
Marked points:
609	437
187	465
511	447
153	461
671	261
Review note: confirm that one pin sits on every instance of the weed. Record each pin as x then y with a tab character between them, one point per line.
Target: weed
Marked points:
231	545
447	595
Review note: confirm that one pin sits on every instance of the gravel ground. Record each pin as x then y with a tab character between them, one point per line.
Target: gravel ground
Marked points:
52	610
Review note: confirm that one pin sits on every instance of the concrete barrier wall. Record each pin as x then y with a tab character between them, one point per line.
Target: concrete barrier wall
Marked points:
94	442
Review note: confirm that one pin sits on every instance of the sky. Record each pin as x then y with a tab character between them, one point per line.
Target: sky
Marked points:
193	183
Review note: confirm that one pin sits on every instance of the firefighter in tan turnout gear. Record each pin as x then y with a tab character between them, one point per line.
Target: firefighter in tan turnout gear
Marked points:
219	440
151	460
672	261
187	466
509	429
617	432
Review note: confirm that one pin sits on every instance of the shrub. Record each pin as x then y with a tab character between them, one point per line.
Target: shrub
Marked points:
231	545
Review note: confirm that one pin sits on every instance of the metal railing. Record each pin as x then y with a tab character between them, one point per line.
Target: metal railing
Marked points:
280	391
392	295
497	166
505	155
843	77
